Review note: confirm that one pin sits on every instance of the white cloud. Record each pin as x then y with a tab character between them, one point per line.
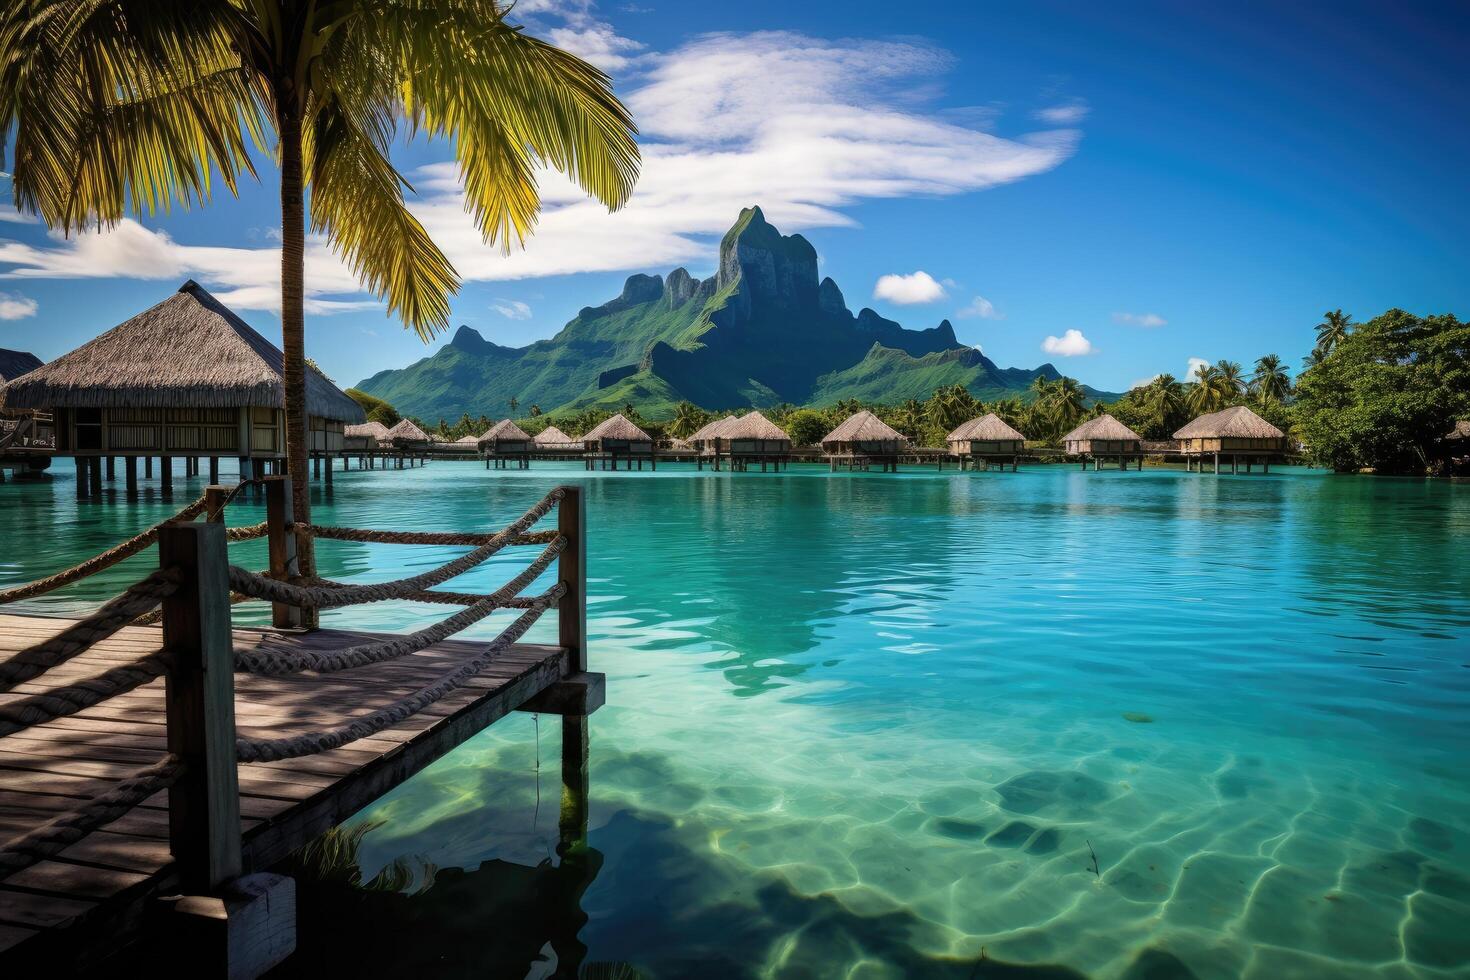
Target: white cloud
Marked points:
512	309
1069	344
14	306
1140	319
10	215
1141	382
804	127
1195	363
982	308
914	288
599	44
1069	114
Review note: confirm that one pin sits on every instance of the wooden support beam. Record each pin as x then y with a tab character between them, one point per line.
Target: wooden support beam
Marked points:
575	789
166	474
204	804
282	545
575	694
571	570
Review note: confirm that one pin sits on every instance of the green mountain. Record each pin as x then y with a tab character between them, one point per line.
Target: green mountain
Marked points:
762	330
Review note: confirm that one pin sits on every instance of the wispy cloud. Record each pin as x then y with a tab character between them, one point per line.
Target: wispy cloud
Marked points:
512	309
803	126
14	306
1069	344
10	215
980	308
1195	363
1143	382
909	290
1067	114
1140	319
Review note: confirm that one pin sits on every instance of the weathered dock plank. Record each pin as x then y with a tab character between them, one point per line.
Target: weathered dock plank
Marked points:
98	887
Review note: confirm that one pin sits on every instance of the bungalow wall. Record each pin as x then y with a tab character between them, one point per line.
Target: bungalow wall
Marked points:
877	447
505	446
1217	444
620	447
991	447
1099	447
759	447
250	431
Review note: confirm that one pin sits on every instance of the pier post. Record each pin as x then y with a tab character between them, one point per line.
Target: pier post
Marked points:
166	474
282	545
571	571
199	695
81	464
147	467
111	469
94	476
214	469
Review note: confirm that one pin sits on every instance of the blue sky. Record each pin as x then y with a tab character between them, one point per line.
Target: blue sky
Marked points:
1065	175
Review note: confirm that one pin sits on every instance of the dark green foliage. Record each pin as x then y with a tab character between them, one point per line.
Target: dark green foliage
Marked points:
376	408
1385	393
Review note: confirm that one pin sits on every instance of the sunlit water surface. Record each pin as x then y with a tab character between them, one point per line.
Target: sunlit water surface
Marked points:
876	726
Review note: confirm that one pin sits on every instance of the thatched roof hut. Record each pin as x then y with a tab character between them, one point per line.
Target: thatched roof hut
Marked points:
616	430
1102	435
1234	429
14	363
553	438
505	437
986	435
406	433
864	434
470	440
185	377
365	435
706	437
753	433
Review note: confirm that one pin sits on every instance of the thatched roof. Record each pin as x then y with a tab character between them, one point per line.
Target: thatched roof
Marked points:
506	429
14	363
188	351
405	429
863	427
1233	423
618	427
711	430
1102	428
467	441
1460	431
753	425
552	436
375	429
986	428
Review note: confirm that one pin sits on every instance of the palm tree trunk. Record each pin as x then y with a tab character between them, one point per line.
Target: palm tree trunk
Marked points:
293	324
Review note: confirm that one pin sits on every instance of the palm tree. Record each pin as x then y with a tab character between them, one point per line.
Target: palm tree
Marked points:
1164	400
514	404
1068	403
535	411
688	418
1209	393
1232	380
1270	382
136	104
1333	329
909	418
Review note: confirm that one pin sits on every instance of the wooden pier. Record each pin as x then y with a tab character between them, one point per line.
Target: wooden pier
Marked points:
266	737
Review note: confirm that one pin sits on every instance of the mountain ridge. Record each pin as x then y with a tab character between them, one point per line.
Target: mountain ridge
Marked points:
763	329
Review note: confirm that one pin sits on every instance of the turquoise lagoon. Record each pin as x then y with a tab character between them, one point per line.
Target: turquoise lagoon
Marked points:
871	726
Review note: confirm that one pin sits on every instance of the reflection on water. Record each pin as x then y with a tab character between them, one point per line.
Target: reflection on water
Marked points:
881	726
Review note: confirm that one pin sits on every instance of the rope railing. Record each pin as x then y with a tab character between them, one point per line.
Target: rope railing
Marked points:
58	702
139	599
310	743
376	536
317	597
59	834
276	662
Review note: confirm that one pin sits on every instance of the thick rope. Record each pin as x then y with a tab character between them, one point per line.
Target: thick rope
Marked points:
442	598
97	563
247	532
373	536
37	709
140	598
67	829
275	662
317	597
310	743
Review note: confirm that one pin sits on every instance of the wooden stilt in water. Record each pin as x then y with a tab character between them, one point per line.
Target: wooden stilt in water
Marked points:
147	467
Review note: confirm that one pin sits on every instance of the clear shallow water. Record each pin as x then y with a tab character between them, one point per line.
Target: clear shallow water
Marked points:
869	725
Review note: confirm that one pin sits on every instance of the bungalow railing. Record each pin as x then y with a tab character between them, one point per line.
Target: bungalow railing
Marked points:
191	593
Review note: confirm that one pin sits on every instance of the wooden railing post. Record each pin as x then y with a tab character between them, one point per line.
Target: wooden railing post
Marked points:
214	503
204	805
571	570
282	541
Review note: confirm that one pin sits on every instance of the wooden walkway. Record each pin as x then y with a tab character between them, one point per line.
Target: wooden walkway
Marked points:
84	898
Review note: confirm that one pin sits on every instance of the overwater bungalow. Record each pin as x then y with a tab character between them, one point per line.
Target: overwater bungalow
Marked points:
1237	434
364	437
984	441
553	440
506	443
753	438
185	378
1104	438
705	438
862	440
407	435
26	436
618	439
